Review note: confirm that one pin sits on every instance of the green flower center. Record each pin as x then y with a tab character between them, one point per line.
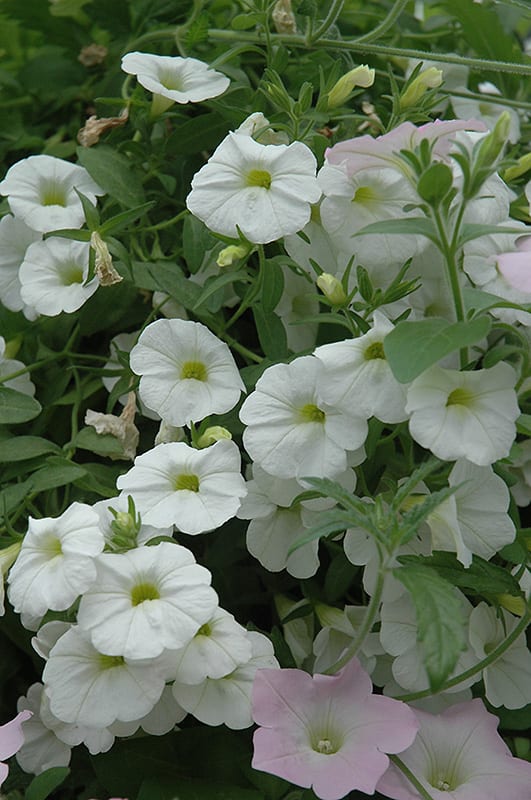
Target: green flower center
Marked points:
53	546
70	273
204	630
194	370
188	482
459	397
374	350
325	747
53	195
109	662
259	177
171	81
142	592
364	194
312	413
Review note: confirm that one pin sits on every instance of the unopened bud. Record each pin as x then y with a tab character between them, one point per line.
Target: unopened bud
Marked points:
212	435
361	76
12	347
332	289
430	78
516	605
520	168
230	254
493	143
8	556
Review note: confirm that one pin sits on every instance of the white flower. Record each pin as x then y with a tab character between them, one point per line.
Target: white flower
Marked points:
228	699
56	562
163	717
41	192
89	688
464	414
15	238
291	431
264	190
187	372
218	647
299	300
41	749
357	371
475	518
53	276
196	490
181	80
146	600
22	383
508	679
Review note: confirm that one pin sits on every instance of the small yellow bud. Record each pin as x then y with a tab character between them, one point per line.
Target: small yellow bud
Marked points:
212	435
429	78
332	289
520	168
359	76
8	556
230	254
516	605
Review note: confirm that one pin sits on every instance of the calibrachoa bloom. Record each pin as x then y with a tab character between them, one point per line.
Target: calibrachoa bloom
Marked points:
196	490
11	740
146	600
264	190
458	755
327	732
15	238
180	80
187	372
468	415
41	192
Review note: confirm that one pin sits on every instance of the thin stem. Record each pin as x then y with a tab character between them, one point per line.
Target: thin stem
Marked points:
366	627
167	222
336	7
479	667
411	778
385	24
295	40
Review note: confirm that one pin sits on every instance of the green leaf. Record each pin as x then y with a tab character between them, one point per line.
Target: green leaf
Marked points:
523	424
472	230
413	347
161	276
412	518
114	173
481	577
21	447
439	620
214	284
478	300
435	183
414	226
272	285
242	22
57	472
120	221
203	132
104	444
334	521
92	217
44	784
17	406
271	334
12	496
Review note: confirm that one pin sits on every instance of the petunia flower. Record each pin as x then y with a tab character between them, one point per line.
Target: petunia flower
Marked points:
327	732
458	755
516	267
468	415
178	80
265	191
196	490
41	191
187	372
15	238
11	740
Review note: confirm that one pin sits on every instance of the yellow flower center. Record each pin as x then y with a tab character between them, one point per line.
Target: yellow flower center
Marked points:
364	194
459	397
374	350
142	592
194	370
189	483
259	177
311	413
53	195
109	662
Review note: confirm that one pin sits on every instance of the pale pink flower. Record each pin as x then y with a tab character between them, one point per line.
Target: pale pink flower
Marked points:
516	267
327	732
11	740
458	755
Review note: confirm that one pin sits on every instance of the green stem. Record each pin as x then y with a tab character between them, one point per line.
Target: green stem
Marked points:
295	40
366	627
411	778
167	222
385	24
479	667
336	7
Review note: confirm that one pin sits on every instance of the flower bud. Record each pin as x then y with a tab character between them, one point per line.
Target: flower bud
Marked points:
359	76
212	435
516	605
332	289
493	143
8	556
520	168
230	254
429	78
